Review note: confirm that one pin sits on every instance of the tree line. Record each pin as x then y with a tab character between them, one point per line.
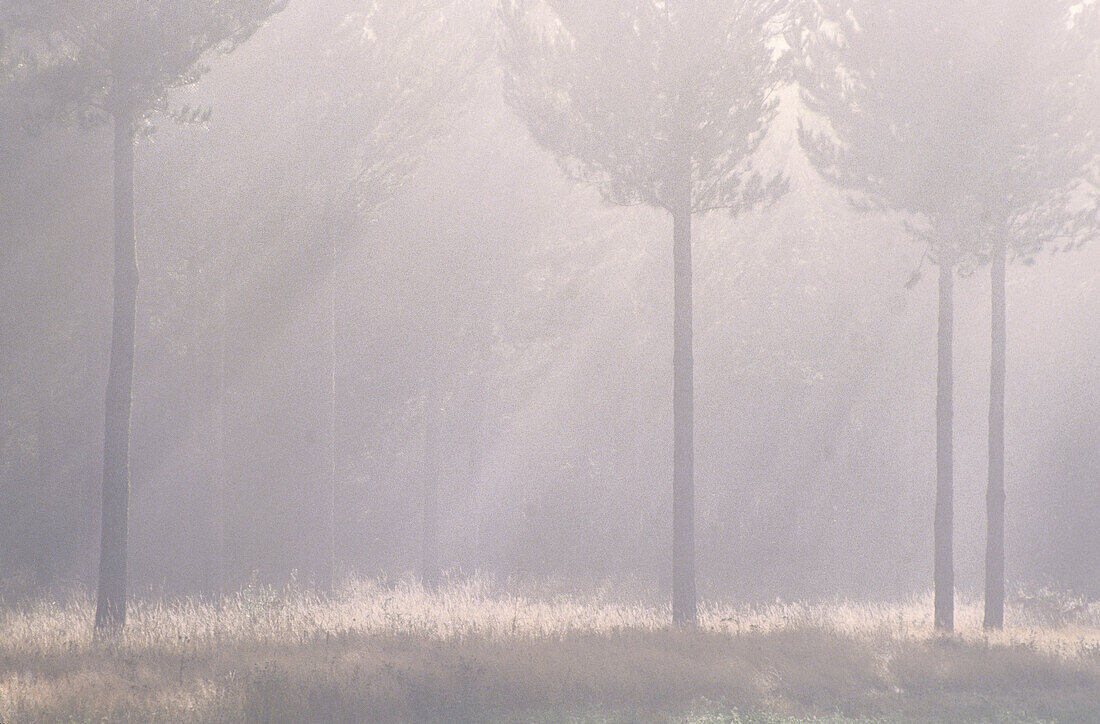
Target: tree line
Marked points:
976	122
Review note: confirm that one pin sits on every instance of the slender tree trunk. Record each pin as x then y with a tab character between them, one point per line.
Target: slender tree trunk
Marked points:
683	485
995	493
944	564
222	514
430	562
111	598
46	498
330	564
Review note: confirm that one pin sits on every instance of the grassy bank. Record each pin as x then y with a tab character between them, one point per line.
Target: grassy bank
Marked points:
475	652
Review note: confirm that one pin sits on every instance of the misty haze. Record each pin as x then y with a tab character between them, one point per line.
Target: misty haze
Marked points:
550	361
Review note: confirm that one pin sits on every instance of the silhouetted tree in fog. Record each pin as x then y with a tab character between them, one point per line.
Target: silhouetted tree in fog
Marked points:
389	82
957	114
657	103
902	132
114	61
1039	72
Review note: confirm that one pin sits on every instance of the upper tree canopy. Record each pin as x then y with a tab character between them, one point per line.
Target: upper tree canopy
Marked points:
627	93
391	79
90	59
970	114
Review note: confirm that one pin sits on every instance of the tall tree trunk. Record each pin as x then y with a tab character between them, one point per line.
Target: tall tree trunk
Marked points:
944	565
430	561
995	492
330	563
46	499
683	485
222	514
111	598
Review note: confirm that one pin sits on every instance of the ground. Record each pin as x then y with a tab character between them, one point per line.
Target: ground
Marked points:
477	651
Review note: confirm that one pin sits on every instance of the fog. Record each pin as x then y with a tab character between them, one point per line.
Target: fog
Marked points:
396	319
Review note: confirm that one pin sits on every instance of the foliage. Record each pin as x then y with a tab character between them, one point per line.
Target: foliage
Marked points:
970	116
627	93
391	79
85	61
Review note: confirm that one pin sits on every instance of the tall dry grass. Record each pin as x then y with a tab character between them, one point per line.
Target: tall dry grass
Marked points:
479	651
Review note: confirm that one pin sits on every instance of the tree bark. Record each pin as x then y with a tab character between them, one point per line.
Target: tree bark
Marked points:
683	485
944	575
111	598
995	492
222	514
430	561
43	525
330	563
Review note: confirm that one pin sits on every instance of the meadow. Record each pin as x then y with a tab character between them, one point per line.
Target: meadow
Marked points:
477	650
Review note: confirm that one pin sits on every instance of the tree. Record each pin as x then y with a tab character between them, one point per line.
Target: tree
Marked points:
900	135
659	104
106	61
390	82
1043	193
938	110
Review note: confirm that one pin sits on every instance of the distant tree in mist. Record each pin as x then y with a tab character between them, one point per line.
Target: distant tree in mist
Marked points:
390	81
886	78
115	61
662	104
956	114
5	71
1042	72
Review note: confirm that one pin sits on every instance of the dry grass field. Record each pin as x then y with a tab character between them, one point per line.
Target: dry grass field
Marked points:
477	651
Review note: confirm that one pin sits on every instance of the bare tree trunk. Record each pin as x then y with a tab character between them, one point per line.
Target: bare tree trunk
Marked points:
683	485
111	598
430	563
330	564
222	514
46	495
944	565
995	492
